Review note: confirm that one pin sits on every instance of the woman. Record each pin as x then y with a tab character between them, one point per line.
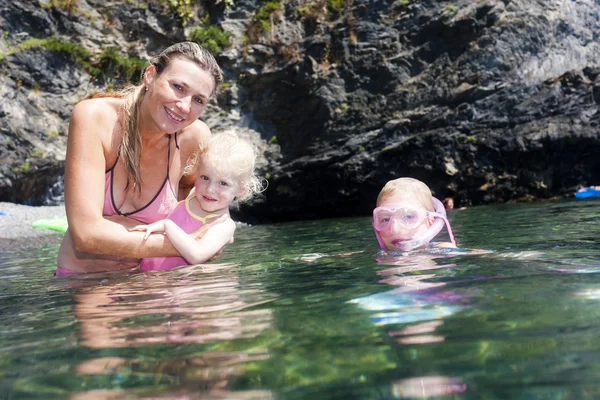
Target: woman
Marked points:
126	157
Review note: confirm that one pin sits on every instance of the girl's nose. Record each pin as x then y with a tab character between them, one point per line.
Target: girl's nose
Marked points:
395	227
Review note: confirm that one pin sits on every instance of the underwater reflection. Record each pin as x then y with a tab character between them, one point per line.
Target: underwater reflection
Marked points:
417	308
426	386
418	302
206	305
178	307
105	394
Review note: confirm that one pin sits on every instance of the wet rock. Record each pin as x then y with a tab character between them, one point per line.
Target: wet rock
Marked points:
488	101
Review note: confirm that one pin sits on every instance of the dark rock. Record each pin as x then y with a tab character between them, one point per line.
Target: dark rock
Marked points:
488	101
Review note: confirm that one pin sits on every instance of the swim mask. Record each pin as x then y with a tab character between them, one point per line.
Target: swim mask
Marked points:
409	216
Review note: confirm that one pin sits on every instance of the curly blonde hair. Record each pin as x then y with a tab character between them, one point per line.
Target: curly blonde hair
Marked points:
233	156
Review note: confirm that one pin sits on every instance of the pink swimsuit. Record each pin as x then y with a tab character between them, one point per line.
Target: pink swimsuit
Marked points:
185	218
158	208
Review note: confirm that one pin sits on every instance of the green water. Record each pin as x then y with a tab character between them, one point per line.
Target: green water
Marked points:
272	319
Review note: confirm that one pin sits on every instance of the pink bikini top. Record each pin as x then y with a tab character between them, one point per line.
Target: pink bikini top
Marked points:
158	208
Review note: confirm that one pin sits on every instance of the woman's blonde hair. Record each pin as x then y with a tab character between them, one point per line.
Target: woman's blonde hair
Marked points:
230	155
407	189
131	145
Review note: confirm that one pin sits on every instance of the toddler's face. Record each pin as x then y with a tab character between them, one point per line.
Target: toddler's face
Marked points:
398	232
213	190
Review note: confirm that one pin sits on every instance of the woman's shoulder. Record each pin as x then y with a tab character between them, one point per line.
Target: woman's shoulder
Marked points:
195	134
98	110
97	119
191	139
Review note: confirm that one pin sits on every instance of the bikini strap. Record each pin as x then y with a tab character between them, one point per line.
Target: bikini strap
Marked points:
116	161
166	181
169	154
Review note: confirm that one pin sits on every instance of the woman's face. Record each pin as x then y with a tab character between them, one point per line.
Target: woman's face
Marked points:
177	97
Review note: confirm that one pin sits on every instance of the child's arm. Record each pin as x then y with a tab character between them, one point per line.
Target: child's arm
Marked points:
203	249
194	251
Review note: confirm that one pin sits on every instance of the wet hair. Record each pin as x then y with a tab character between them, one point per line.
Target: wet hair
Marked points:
235	157
406	189
131	146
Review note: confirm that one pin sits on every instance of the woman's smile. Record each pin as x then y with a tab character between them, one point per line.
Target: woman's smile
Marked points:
174	116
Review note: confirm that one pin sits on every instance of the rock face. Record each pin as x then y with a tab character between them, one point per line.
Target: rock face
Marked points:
487	101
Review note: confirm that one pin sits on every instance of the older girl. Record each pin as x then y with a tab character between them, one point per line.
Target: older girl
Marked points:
408	217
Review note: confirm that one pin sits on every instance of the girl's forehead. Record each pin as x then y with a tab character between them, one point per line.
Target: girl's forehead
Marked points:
401	198
223	171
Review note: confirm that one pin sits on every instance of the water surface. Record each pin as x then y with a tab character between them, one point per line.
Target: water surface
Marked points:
311	310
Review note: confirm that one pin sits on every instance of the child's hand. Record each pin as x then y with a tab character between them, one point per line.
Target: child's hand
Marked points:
158	227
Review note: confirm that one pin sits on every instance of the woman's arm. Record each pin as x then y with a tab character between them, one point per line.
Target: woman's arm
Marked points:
89	142
193	251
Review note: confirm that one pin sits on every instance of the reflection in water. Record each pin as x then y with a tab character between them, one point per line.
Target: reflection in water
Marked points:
415	301
418	333
280	320
426	386
416	297
190	306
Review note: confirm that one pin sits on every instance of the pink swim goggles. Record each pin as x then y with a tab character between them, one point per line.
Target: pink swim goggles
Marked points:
408	216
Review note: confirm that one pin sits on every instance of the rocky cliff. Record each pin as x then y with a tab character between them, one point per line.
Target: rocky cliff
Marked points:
486	101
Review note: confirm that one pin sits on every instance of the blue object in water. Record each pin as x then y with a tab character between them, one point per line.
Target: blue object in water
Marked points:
4	213
591	191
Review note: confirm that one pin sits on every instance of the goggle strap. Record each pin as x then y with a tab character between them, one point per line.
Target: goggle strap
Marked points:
378	235
449	230
438	215
439	212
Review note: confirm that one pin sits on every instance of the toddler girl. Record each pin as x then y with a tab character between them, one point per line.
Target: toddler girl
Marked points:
225	173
